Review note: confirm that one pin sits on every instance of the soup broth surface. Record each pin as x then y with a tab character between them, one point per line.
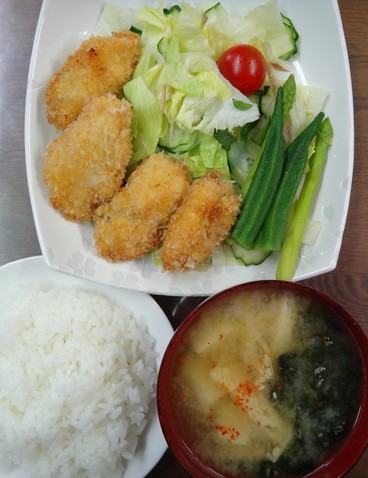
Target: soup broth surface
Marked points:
264	384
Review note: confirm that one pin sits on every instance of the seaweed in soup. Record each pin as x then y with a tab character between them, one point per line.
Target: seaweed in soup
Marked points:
317	386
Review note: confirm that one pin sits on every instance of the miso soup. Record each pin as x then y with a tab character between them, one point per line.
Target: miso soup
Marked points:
265	384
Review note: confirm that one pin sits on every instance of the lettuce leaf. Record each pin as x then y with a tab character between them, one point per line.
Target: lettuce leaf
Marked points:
147	118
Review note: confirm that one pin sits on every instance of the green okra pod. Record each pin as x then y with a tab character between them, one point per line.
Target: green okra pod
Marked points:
263	186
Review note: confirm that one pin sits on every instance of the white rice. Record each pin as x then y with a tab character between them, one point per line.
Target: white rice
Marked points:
77	375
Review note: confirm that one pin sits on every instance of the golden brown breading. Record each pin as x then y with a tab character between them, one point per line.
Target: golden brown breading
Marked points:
200	224
132	224
100	65
86	164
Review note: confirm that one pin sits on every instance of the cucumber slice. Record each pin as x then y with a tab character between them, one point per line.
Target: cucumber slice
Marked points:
293	37
217	7
136	30
240	156
267	101
175	9
249	257
259	132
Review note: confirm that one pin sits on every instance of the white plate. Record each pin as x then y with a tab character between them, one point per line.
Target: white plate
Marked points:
33	271
68	247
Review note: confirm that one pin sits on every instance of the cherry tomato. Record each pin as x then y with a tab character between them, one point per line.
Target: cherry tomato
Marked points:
245	67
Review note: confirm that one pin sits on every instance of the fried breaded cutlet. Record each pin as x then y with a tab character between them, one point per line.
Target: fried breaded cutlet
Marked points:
132	224
100	65
200	224
86	164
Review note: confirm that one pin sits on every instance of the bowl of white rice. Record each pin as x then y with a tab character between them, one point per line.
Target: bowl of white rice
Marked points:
78	370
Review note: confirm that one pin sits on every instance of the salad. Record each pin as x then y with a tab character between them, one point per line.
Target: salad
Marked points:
218	92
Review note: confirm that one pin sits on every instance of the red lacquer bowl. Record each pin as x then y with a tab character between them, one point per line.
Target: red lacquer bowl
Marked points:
337	461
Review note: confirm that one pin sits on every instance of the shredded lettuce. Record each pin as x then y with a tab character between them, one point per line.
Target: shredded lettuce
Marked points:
147	119
177	81
206	155
190	90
